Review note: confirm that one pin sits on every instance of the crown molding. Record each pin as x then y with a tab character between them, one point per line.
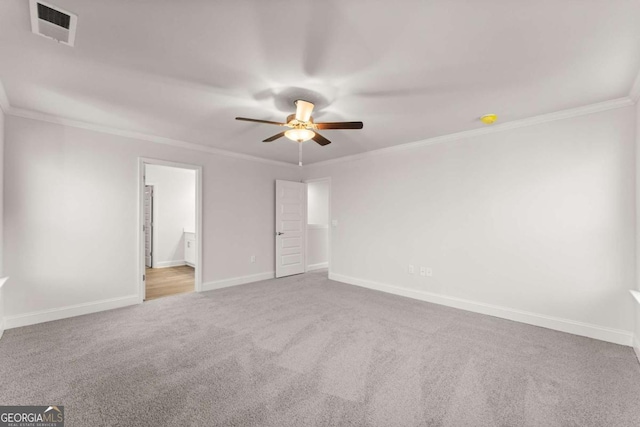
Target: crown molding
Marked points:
515	124
634	95
4	100
50	118
37	115
636	294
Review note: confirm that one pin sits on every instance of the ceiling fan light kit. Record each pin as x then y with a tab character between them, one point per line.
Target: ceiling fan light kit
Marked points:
299	134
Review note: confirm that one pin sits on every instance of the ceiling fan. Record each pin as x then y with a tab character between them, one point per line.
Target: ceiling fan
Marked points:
303	128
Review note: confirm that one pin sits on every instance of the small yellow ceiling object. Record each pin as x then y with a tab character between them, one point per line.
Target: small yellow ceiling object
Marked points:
489	119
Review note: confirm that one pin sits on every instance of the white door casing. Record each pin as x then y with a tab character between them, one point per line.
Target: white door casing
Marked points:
291	220
148	225
142	162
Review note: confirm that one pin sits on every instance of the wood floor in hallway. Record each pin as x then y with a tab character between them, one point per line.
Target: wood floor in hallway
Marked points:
162	282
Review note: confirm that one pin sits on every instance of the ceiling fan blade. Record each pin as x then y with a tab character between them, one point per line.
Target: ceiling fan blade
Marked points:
274	137
303	110
260	121
321	140
340	125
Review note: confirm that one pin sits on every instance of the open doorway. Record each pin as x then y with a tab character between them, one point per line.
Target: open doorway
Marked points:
318	224
170	228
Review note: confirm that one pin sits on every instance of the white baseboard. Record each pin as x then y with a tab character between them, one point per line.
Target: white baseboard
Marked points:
616	336
320	266
167	264
70	311
219	284
636	346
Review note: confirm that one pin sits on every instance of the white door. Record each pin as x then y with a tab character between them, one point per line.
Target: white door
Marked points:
148	225
291	219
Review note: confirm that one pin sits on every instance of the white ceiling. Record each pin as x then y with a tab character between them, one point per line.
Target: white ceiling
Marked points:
409	69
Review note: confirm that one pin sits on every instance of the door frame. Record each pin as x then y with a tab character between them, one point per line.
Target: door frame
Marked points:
154	237
142	162
329	218
153	226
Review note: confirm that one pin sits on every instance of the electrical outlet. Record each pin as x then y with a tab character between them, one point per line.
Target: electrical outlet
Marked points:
423	271
253	258
410	269
429	272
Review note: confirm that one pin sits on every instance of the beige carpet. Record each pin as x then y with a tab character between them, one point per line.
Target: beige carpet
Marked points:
307	351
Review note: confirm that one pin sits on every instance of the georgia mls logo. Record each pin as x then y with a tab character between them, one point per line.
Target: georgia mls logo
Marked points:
31	416
55	408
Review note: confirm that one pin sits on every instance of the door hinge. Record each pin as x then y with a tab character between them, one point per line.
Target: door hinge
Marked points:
144	277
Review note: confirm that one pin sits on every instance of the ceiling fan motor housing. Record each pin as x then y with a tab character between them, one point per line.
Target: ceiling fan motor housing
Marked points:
292	117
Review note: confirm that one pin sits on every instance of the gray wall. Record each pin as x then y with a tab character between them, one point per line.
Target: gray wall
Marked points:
535	223
71	217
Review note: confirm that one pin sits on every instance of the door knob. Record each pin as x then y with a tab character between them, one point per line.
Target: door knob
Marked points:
279	233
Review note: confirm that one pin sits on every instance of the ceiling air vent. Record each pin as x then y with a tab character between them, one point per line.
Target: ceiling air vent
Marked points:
52	22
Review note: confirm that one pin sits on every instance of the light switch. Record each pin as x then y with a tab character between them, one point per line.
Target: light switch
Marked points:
334	222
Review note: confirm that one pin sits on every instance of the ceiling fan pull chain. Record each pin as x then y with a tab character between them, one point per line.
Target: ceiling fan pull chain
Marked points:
299	154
